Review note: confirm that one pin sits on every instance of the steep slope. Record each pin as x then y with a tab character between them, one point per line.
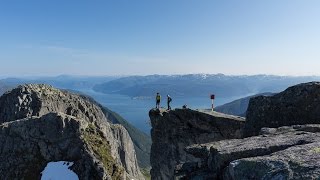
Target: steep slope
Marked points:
238	107
54	125
174	130
141	141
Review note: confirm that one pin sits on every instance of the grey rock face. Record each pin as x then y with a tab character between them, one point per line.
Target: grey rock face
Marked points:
173	131
29	144
42	124
221	159
298	104
286	153
37	100
299	160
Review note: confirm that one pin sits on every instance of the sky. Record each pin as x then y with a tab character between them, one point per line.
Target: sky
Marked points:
140	37
59	171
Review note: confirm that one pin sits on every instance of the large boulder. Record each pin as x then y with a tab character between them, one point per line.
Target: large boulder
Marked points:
172	131
298	104
40	124
295	163
283	153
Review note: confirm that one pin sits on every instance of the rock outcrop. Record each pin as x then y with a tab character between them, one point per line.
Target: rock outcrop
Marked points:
40	124
283	153
173	131
298	104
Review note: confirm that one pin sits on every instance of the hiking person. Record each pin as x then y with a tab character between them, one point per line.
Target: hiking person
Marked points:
158	98
169	99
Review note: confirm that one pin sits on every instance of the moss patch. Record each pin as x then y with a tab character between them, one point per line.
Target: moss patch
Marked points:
316	150
102	150
146	173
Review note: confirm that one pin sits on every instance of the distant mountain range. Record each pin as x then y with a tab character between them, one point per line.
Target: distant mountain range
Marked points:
4	87
62	81
177	85
199	85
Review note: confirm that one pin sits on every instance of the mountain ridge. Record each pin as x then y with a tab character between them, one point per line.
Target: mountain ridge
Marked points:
199	85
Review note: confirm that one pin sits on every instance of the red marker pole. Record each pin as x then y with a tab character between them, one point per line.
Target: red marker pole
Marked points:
211	104
212	98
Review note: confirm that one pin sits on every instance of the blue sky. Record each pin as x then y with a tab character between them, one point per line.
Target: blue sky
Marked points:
125	37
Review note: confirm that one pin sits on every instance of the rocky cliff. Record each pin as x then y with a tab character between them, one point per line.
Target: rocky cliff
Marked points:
279	140
40	124
141	141
173	131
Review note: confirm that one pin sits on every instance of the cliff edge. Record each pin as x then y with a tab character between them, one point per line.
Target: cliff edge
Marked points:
172	131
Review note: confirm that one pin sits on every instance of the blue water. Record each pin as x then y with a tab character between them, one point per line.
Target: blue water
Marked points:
135	111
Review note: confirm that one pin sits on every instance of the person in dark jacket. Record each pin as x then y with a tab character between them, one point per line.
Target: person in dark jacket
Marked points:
158	99
169	99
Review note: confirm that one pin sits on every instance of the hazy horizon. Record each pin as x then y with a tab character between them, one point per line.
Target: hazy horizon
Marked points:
103	38
101	76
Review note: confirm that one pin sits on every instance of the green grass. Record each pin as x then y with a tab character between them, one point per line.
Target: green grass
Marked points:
102	150
146	173
142	142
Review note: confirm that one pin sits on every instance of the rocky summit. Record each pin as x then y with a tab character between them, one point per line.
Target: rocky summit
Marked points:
41	124
172	131
279	139
298	104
